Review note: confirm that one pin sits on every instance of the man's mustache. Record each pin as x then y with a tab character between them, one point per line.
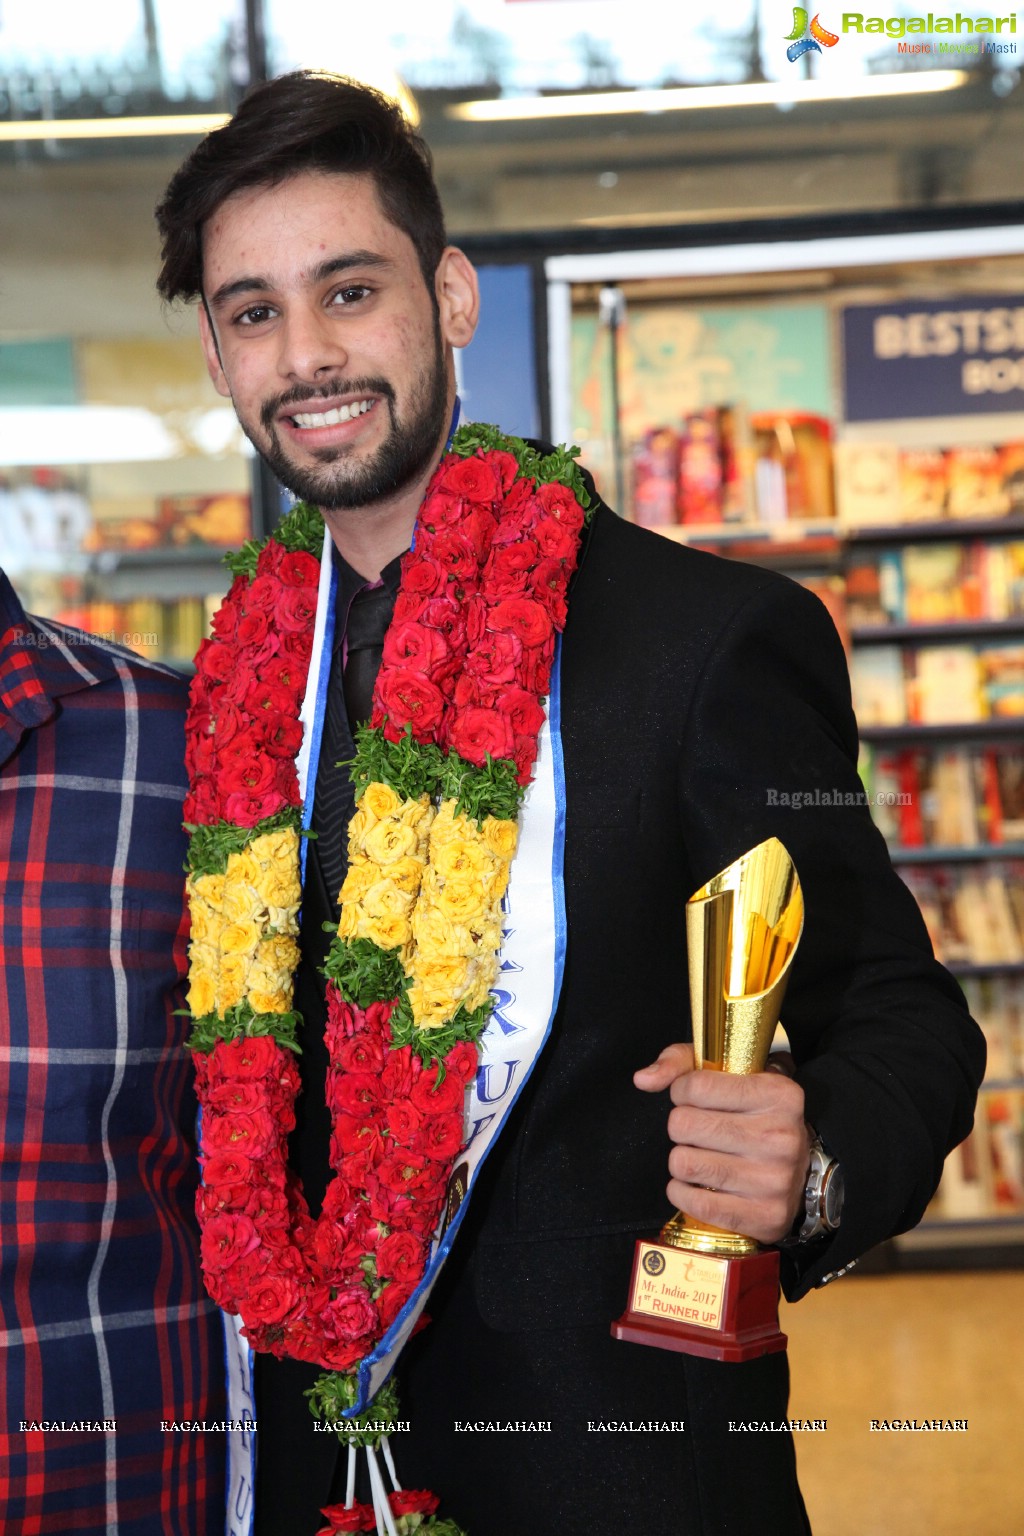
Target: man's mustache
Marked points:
305	392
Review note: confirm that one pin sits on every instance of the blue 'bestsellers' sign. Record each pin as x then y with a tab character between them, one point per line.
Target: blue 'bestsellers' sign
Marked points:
933	357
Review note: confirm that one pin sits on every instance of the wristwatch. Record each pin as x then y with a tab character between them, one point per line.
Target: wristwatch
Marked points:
823	1198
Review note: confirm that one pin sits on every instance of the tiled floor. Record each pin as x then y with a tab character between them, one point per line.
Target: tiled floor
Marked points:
947	1346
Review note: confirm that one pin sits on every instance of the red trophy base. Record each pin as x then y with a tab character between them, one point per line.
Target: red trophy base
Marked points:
701	1304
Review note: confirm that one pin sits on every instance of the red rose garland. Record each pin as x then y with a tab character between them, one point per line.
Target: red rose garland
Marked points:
465	664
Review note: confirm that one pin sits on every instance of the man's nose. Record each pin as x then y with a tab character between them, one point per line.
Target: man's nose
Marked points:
310	346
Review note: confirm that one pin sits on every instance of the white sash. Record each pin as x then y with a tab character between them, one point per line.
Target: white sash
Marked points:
526	996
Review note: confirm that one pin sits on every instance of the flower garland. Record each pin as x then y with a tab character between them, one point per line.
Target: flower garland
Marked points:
440	773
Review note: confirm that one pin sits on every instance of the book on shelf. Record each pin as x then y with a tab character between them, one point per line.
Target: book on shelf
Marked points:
922	485
984	1176
974	483
954	797
966	1189
697	470
1003	1112
656	478
874	587
972	914
1002	680
997	1003
702	468
940	583
1005	786
879	689
794	477
867	484
945	685
884	484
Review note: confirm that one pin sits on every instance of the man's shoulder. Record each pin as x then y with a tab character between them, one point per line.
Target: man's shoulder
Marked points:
71	659
662	571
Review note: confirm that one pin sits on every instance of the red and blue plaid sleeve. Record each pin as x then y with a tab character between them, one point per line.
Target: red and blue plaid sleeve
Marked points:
103	1317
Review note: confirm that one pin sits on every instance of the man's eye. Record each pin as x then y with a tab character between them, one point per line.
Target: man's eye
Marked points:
254	315
350	294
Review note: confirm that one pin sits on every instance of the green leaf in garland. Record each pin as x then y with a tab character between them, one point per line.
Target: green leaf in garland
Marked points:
491	790
242	562
432	1045
211	846
332	1398
407	766
363	973
243	1020
301	530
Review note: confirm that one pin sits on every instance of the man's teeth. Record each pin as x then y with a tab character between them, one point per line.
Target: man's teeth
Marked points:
332	418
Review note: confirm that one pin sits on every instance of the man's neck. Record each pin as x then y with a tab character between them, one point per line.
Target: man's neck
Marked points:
371	537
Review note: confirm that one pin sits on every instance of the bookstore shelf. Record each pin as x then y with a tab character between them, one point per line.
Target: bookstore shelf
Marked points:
949	853
970	968
949	632
956	529
969	1233
911	532
969	730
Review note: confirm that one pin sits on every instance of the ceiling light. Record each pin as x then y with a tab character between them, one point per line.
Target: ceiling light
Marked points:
773	93
111	127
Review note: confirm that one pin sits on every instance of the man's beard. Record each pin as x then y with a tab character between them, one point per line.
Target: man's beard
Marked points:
405	453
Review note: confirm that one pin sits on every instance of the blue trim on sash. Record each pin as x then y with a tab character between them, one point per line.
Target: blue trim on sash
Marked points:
456	413
316	735
558	892
558	845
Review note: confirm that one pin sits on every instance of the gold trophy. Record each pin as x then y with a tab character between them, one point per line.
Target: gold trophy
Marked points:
699	1289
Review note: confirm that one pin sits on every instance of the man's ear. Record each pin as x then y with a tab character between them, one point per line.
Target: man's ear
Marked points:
211	351
458	296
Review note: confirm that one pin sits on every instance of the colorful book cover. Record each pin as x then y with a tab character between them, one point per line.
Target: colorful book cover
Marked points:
1005	767
701	471
975	483
1002	679
864	604
941	583
922	485
878	687
1004	1118
656	478
867	484
947	685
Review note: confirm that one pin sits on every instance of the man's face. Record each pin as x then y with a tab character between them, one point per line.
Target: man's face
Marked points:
326	338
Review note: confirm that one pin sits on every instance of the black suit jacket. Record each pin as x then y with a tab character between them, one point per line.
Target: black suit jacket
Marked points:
697	695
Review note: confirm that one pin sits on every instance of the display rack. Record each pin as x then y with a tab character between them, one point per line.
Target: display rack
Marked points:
822	552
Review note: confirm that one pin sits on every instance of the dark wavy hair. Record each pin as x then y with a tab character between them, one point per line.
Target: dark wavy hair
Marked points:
304	121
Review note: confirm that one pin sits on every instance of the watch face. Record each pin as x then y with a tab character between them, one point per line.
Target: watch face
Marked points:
832	1196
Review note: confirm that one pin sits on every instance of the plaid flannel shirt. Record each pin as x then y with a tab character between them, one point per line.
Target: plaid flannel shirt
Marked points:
104	1315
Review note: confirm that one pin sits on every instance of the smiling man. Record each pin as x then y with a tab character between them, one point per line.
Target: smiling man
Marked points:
690	691
319	325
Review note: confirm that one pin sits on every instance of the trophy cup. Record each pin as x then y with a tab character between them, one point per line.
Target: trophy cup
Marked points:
699	1289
